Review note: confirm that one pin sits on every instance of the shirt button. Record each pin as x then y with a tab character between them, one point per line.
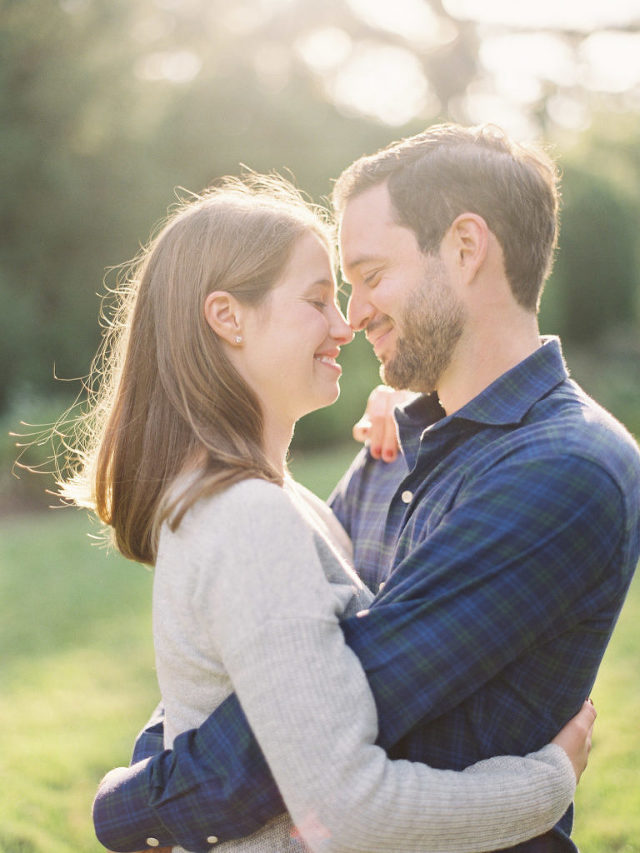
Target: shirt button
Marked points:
380	586
406	497
212	839
152	842
362	613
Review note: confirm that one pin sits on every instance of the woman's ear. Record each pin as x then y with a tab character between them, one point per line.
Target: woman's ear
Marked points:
223	313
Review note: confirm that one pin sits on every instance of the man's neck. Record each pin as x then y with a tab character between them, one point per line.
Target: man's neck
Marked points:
481	359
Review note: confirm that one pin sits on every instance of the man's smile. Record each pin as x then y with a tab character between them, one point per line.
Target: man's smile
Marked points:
377	333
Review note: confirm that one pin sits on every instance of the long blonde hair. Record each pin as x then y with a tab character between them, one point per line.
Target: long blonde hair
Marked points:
164	399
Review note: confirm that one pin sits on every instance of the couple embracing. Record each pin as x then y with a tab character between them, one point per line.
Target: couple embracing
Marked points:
397	671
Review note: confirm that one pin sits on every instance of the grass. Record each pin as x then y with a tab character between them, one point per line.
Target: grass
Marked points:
78	682
77	677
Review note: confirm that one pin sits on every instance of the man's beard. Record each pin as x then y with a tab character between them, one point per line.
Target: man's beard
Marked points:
431	325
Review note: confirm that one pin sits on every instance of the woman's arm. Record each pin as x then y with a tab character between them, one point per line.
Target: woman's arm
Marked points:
193	786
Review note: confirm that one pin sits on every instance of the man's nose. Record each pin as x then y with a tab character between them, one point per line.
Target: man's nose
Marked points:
341	331
359	310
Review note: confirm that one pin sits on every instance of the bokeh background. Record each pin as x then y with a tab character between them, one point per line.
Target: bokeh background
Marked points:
107	107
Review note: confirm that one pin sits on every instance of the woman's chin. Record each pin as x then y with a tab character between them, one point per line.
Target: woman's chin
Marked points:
322	401
331	397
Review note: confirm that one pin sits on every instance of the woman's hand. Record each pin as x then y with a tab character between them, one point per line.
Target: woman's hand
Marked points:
377	427
575	737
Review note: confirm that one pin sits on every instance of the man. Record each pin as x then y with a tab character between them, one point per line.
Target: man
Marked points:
502	540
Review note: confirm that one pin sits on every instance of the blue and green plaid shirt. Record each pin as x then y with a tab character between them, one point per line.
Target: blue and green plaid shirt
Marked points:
502	543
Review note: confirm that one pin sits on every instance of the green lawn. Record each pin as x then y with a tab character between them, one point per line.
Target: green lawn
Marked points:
77	682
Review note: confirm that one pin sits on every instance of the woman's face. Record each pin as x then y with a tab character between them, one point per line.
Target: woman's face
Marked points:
291	341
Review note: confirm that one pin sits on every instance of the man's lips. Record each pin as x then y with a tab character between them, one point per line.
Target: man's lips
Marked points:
377	334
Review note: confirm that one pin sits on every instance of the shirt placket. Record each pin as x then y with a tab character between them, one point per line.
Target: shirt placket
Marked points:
415	494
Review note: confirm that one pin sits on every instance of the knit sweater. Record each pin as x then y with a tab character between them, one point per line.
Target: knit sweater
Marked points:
248	594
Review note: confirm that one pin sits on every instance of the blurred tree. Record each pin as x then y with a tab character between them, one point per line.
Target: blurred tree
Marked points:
107	105
596	270
65	102
595	284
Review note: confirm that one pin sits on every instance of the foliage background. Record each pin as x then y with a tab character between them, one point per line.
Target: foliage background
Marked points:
106	106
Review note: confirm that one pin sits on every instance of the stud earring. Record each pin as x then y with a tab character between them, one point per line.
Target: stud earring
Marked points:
238	339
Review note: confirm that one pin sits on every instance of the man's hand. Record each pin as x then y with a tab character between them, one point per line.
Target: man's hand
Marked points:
575	737
377	427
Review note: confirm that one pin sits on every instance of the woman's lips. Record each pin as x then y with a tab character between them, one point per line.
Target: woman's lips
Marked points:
328	361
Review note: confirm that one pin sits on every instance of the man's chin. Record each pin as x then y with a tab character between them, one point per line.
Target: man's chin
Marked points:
400	382
393	381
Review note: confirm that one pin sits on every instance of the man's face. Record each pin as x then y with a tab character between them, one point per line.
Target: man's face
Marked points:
402	298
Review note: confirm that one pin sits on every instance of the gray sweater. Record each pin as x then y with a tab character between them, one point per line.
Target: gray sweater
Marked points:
242	603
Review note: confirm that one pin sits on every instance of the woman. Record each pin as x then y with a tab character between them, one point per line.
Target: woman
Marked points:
227	333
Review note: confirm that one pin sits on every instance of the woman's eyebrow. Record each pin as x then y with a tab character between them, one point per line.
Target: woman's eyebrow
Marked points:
325	283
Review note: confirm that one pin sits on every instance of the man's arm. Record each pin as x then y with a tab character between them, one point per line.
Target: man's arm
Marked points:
214	785
473	597
525	556
150	739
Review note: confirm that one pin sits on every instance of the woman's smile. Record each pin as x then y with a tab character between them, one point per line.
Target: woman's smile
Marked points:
329	360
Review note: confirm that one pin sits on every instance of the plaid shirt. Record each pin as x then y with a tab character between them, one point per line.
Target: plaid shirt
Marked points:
503	543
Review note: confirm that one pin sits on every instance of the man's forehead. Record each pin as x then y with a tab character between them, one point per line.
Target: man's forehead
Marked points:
364	220
372	203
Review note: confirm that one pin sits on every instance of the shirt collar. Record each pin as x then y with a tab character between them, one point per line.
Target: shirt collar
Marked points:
505	401
511	396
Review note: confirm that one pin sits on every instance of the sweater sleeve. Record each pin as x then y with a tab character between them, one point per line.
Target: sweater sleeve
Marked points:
274	620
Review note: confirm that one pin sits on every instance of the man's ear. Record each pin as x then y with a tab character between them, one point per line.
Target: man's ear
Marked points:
223	313
469	234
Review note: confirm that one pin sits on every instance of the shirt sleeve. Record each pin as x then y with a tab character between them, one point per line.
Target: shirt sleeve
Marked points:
342	499
215	780
151	739
306	698
527	553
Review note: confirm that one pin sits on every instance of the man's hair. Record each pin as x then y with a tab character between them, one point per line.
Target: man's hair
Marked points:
447	170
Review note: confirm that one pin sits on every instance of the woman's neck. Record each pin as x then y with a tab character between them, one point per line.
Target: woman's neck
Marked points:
277	438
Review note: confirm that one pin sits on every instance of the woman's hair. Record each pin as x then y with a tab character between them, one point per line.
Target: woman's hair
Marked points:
164	399
448	170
